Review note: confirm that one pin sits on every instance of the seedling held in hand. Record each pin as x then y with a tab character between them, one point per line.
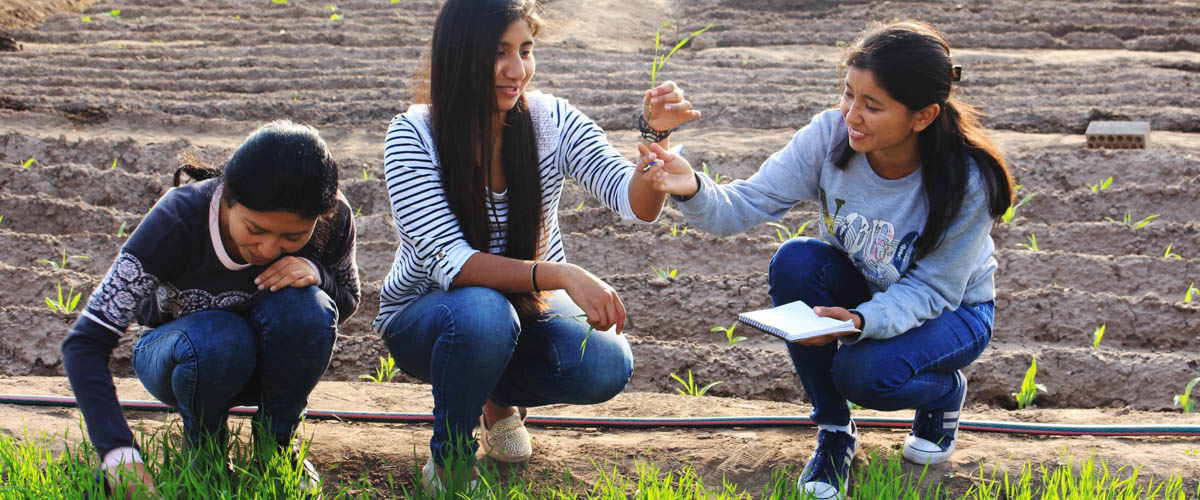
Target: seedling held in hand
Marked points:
1029	388
690	388
660	59
1097	335
1185	399
1104	184
588	335
385	373
64	305
729	333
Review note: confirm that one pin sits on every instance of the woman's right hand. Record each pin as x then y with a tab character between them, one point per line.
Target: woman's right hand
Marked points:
668	173
132	476
598	300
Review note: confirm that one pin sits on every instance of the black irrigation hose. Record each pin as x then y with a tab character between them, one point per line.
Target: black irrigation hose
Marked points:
642	423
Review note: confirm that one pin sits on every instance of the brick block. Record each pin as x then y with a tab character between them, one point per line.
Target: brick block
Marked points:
1118	135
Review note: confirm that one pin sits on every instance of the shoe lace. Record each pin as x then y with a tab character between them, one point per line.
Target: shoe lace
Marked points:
831	446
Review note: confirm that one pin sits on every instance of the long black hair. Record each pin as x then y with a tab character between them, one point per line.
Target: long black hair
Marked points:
281	167
911	62
463	110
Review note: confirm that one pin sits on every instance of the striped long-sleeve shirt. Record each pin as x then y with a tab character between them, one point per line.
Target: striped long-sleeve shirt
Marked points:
432	248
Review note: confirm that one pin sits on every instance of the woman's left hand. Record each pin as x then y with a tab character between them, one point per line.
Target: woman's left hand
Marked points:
838	313
665	108
285	272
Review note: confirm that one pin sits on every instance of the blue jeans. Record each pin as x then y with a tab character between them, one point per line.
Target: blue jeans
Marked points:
912	370
472	346
209	361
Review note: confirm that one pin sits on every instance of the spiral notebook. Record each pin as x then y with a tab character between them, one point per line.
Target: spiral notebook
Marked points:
794	321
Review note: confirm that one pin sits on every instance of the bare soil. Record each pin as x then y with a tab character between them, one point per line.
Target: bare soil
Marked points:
167	76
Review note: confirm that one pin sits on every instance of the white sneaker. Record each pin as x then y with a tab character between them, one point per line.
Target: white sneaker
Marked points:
433	483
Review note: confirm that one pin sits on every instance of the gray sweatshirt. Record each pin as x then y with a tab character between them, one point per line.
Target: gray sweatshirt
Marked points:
875	221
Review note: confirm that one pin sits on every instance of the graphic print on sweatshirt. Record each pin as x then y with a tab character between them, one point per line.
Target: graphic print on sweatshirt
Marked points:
872	244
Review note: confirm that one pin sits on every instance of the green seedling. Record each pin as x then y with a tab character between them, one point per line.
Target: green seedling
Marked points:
28	162
717	178
114	164
588	335
86	19
64	305
1	218
331	7
367	174
1097	335
852	405
729	333
62	263
115	13
1171	255
1032	245
660	60
1191	292
1128	220
358	211
395	1
279	2
664	272
1012	209
674	229
385	373
785	233
580	206
1029	388
690	387
237	17
121	230
1104	184
335	17
1185	399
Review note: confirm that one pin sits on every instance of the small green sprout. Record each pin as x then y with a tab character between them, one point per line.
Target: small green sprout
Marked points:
367	174
661	60
358	211
63	305
588	335
395	1
331	7
279	2
1128	220
785	233
1185	399
729	333
1171	255
1012	209
121	230
674	229
1097	335
841	44
1029	388
63	261
717	178
690	388
238	17
1032	245
335	17
1104	184
114	165
1191	292
580	206
852	405
664	272
115	13
385	373
1	218
28	162
86	19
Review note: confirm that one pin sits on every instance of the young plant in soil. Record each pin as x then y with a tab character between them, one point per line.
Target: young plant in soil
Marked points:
674	229
121	230
385	373
1097	335
664	272
717	178
728	331
690	387
785	233
64	305
28	163
1171	255
367	174
63	261
1012	209
1029	388
1032	246
580	207
114	165
1191	292
1128	220
1102	185
1185	400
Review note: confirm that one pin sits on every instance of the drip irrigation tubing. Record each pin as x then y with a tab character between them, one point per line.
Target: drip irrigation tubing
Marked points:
1033	428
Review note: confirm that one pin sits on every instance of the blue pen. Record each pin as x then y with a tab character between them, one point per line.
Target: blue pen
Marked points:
677	150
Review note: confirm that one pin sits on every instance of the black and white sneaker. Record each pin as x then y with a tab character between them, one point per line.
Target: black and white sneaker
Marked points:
934	431
827	472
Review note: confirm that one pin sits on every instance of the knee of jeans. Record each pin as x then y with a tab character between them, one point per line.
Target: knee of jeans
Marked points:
305	315
798	255
604	383
488	317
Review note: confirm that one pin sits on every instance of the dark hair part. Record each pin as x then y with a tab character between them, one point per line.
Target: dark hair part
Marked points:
911	61
281	167
463	112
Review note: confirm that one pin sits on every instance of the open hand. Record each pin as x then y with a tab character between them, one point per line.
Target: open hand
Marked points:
285	272
838	313
667	173
665	108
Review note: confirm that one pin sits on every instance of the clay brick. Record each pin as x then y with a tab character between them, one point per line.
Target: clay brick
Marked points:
1118	135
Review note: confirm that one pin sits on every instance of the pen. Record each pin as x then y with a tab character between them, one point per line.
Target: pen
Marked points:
677	150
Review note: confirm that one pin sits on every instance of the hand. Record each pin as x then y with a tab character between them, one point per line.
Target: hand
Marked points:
665	108
668	173
598	300
285	272
838	313
131	476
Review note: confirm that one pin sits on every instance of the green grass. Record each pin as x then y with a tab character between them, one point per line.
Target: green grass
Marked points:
57	468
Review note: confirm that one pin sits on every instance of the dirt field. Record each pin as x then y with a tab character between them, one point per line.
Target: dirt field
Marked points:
165	76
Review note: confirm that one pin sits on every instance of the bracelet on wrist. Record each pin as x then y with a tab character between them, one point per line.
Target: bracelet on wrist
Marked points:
533	277
649	133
